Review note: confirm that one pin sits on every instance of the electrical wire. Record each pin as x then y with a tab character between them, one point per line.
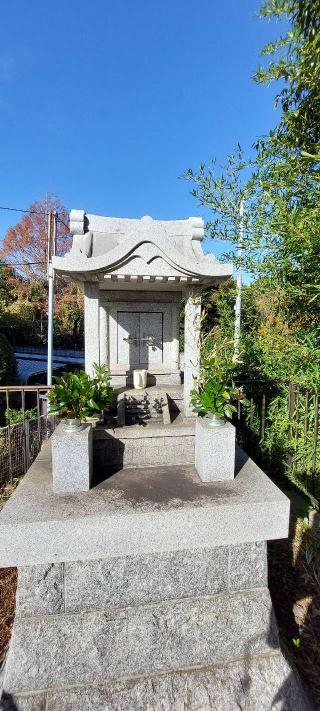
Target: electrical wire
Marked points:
36	212
32	212
17	209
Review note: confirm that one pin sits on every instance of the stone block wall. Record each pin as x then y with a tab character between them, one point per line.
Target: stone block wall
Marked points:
136	580
190	629
143	451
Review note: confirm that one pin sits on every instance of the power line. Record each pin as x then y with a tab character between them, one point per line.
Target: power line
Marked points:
32	212
17	209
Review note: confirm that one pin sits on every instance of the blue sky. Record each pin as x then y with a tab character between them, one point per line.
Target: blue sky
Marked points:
106	103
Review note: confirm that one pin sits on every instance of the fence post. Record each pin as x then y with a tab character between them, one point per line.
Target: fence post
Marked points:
38	420
315	440
251	412
24	442
27	441
291	406
263	416
9	436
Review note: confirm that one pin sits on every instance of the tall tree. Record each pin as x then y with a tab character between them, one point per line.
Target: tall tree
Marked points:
221	190
288	162
25	245
7	279
282	222
295	59
23	289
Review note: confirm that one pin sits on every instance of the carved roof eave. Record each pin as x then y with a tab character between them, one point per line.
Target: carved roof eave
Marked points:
111	261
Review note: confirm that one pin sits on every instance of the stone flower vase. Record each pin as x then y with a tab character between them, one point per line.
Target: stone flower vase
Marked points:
71	424
213	420
71	459
214	448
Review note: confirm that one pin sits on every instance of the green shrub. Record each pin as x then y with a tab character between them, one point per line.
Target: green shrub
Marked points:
14	417
8	364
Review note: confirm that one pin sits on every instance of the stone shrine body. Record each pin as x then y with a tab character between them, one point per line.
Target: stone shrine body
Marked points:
150	590
134	273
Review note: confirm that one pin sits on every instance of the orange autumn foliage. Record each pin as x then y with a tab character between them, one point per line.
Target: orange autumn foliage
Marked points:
25	245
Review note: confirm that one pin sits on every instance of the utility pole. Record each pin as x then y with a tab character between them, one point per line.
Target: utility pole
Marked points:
237	308
51	250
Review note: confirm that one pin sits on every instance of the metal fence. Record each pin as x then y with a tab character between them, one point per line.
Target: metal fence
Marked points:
21	442
280	430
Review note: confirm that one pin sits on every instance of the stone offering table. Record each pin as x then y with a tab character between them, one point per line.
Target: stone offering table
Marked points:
148	592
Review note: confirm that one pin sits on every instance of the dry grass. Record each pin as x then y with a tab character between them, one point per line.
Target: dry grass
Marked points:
8	585
7	490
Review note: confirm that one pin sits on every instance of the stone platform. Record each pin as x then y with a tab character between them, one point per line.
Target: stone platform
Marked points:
135	511
148	592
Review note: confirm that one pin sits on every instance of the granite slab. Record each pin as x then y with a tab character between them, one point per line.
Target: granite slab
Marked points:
138	511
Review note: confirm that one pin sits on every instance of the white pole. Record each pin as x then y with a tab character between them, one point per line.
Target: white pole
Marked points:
51	252
237	308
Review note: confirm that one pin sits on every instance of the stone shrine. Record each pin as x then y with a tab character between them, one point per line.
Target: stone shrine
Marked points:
133	274
149	591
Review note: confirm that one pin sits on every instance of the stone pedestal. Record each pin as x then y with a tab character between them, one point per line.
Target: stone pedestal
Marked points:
71	459
151	593
214	450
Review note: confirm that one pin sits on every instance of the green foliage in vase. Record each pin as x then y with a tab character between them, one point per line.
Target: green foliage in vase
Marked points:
78	395
101	391
214	398
70	395
214	394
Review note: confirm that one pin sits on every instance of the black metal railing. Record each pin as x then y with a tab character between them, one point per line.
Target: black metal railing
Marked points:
280	430
23	410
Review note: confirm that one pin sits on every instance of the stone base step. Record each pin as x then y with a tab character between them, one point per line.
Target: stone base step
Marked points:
135	406
88	648
83	586
256	683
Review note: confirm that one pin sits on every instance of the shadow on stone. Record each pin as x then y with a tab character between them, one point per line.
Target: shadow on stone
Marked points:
281	677
7	703
103	469
160	485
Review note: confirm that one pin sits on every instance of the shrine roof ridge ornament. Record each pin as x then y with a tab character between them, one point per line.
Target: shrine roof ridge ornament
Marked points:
138	247
81	222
